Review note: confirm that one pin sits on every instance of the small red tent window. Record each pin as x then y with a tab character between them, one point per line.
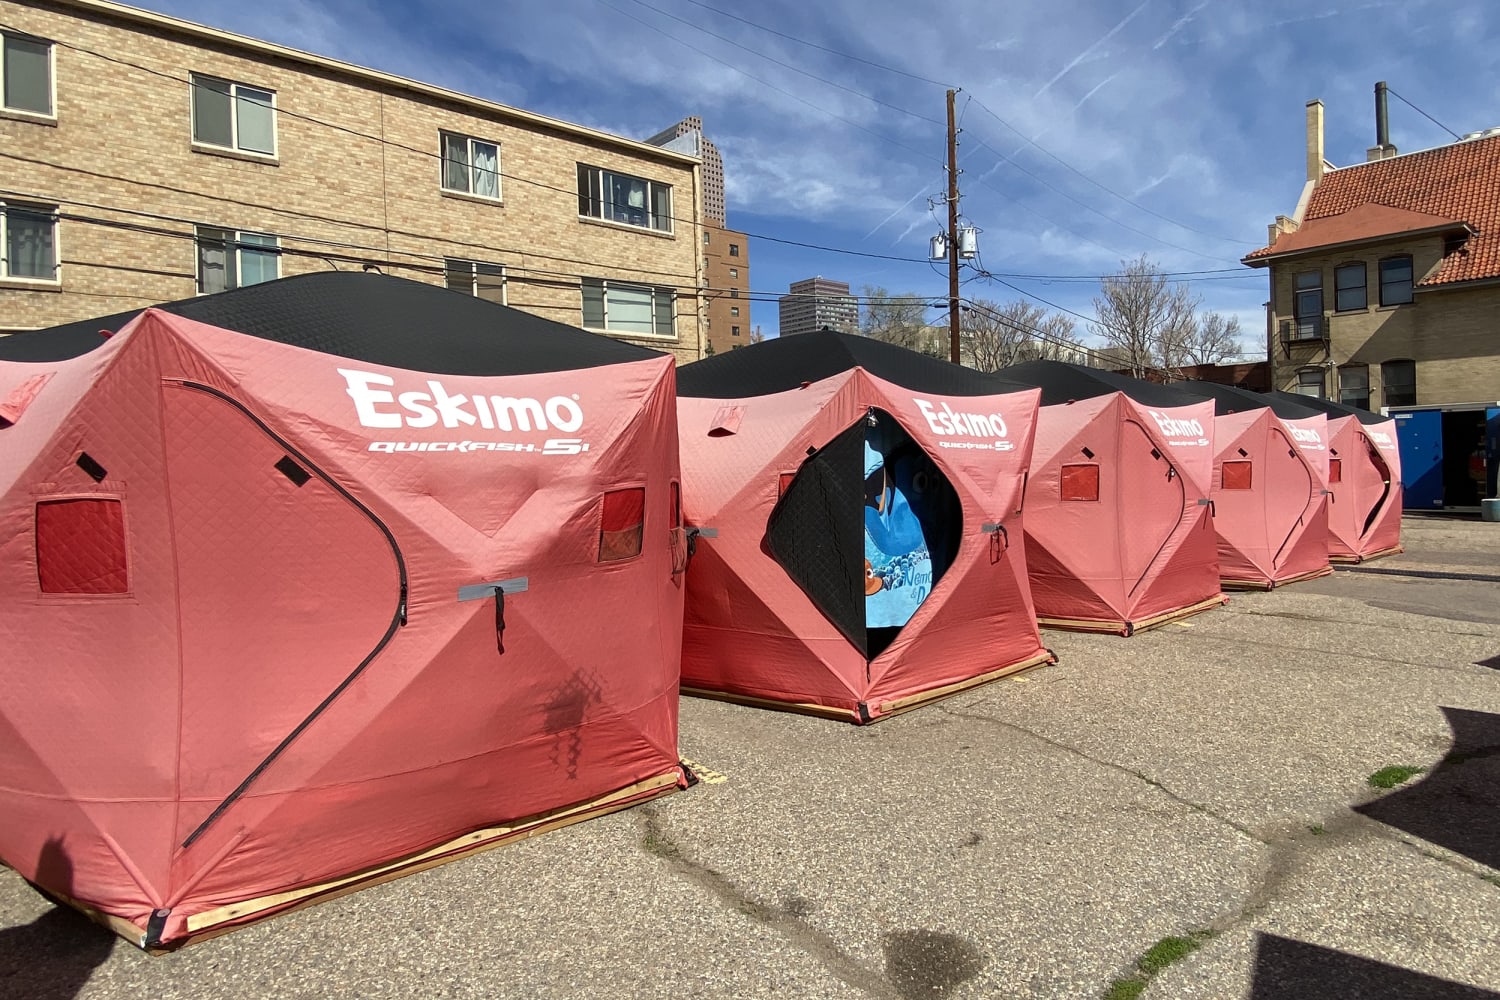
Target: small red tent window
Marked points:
1080	482
1335	470
1236	475
785	482
620	527
80	546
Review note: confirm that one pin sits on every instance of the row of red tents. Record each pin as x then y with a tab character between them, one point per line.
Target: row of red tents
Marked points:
318	582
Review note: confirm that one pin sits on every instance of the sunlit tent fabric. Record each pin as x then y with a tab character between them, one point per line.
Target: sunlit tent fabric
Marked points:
1119	535
1364	480
840	485
323	580
1270	487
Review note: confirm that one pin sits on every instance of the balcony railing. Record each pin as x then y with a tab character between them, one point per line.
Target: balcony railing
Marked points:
1304	330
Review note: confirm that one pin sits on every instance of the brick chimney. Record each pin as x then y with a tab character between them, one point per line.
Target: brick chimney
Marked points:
1314	140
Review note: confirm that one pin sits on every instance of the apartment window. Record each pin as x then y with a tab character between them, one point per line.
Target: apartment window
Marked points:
1399	379
734	293
1454	243
26	71
1308	306
734	310
234	116
633	201
1310	382
705	239
734	331
1395	281
231	259
28	242
472	277
1349	287
734	272
625	308
470	166
1354	386
734	249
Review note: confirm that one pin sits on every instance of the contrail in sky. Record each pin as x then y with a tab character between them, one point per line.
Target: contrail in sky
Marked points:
1090	50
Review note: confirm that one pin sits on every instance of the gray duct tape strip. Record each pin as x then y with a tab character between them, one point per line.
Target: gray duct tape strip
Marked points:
990	527
706	532
1204	501
484	591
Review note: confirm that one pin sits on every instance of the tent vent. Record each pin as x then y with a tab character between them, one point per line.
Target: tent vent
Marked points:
1087	453
91	467
296	473
1155	454
1244	453
1335	470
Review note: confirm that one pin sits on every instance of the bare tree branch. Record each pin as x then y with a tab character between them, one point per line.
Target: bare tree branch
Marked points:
998	335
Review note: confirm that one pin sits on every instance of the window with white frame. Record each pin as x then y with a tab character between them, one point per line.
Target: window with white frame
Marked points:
470	166
476	278
1310	382
615	197
229	259
28	242
627	308
234	116
26	74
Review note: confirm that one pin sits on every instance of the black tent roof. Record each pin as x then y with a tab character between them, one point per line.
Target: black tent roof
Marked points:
785	363
1232	399
375	318
1331	408
1061	382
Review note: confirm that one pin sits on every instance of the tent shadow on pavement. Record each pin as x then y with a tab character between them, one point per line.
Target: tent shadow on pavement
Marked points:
52	957
1294	970
1456	805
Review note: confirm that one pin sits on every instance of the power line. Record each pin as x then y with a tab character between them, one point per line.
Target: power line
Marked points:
1424	114
820	48
1103	187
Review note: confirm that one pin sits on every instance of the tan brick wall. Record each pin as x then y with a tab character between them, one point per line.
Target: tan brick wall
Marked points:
1453	334
356	178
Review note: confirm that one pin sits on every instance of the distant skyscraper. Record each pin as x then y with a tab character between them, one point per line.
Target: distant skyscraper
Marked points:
814	303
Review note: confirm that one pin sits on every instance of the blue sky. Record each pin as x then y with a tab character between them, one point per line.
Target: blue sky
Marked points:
1092	131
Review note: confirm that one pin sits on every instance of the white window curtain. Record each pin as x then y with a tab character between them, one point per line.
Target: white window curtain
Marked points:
630	310
30	249
486	170
455	162
215	262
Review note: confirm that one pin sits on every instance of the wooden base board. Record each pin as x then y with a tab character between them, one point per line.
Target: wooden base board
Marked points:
884	709
1394	550
1273	584
1128	628
212	923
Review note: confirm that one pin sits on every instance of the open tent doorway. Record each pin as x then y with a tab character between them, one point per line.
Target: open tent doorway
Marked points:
867	528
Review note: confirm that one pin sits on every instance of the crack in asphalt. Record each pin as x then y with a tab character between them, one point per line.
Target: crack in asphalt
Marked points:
1295	616
789	924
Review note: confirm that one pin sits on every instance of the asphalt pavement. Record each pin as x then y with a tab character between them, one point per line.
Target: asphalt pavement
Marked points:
1185	813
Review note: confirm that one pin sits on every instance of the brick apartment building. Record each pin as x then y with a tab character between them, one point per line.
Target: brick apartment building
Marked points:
145	159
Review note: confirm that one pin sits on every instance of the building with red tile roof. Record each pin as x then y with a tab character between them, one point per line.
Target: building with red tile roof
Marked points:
1385	281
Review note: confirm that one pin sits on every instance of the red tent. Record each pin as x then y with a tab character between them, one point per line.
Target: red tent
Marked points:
1364	477
1118	532
388	576
1270	490
786	446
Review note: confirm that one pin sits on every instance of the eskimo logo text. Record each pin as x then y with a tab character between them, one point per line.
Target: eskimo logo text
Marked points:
1306	435
1172	427
378	405
1380	438
946	422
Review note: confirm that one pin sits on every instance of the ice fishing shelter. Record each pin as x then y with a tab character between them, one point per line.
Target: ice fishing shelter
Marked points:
317	582
1270	487
1119	535
1364	480
861	549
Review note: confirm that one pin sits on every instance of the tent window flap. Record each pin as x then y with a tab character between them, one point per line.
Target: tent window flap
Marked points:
80	546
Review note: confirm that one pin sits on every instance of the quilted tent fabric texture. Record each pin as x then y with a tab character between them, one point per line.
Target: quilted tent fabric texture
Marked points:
1119	532
1364	513
310	617
752	633
1270	488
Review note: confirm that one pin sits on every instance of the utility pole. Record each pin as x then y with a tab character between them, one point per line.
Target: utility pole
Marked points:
952	234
